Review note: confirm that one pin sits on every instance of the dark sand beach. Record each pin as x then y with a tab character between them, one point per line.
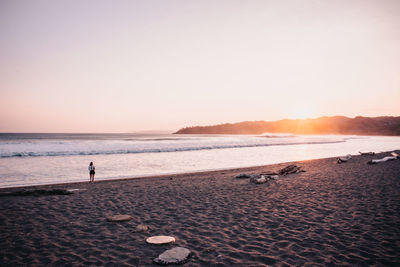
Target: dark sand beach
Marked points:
332	214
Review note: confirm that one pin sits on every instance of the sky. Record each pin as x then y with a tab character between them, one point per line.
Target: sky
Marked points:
125	66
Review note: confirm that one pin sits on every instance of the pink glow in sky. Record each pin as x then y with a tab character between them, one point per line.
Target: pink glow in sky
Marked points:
121	66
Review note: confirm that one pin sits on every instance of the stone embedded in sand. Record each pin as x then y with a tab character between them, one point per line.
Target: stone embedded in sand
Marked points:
160	239
176	255
119	218
290	169
142	228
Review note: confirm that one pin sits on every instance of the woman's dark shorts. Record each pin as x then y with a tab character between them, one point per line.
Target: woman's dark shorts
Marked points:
91	172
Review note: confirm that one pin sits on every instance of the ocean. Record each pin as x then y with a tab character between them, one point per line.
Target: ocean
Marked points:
36	159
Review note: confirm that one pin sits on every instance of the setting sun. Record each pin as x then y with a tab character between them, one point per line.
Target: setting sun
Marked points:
302	112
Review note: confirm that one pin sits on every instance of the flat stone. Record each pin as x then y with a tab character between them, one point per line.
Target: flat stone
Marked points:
176	255
160	239
119	218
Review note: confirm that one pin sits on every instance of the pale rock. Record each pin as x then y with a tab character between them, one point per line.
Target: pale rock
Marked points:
160	239
176	255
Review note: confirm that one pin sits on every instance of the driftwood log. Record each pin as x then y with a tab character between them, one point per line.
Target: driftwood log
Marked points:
393	156
290	169
344	159
367	153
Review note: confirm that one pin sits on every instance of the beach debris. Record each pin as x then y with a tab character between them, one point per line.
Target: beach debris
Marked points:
367	153
260	180
273	177
119	218
142	228
344	159
244	176
160	239
38	192
290	169
176	255
269	173
393	157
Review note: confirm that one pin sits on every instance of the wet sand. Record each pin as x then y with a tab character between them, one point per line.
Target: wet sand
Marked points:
332	214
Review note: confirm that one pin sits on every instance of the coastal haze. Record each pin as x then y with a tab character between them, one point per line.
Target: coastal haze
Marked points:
105	66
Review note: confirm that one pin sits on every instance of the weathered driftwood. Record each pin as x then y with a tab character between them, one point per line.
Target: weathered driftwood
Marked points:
290	169
344	159
176	255
393	157
37	193
367	153
261	179
269	173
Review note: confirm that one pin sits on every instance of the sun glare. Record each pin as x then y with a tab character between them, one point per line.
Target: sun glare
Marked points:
302	112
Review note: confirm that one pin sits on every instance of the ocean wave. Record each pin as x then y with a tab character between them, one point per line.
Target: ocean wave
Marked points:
156	150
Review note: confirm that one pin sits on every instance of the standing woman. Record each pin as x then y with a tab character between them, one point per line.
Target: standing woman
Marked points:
91	172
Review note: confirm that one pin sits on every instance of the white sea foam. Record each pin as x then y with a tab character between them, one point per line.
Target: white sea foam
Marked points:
28	159
46	147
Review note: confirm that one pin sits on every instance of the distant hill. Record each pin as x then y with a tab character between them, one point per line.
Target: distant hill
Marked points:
323	125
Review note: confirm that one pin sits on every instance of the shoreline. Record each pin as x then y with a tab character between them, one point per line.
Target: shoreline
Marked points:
177	175
331	214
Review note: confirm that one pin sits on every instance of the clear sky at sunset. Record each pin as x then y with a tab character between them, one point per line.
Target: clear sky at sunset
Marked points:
122	66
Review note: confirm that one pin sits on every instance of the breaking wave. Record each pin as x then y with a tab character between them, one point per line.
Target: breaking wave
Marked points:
51	148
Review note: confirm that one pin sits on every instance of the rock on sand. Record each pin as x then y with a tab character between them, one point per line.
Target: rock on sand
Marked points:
176	255
119	218
160	239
